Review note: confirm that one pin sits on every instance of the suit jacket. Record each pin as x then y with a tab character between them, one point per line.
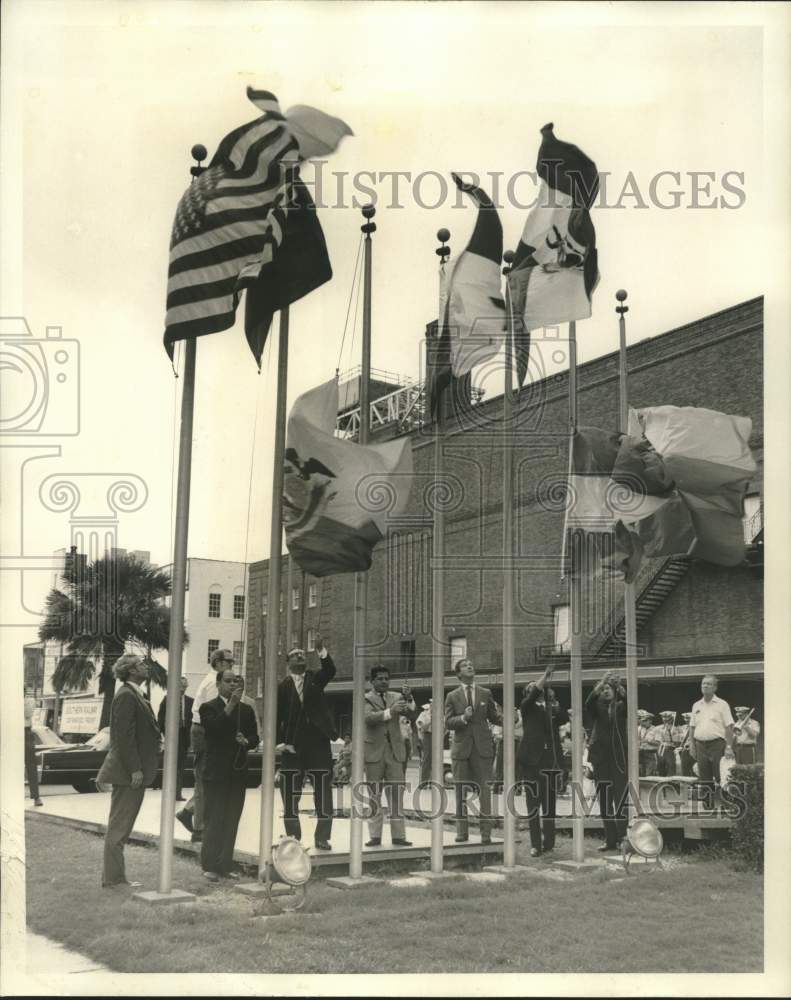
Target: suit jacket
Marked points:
307	725
378	730
473	734
607	722
186	722
134	740
540	730
223	754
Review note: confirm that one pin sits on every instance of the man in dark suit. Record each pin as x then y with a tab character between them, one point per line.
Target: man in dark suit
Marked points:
231	731
305	727
185	727
130	765
468	710
541	760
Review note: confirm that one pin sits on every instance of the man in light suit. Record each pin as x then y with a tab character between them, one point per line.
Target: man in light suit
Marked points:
385	753
305	727
468	710
130	765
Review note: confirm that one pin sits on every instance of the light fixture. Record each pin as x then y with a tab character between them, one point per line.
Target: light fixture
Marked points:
643	837
288	874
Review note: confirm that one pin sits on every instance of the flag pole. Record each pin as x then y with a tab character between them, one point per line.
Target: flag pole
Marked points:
509	763
632	743
438	645
273	596
576	548
167	813
361	579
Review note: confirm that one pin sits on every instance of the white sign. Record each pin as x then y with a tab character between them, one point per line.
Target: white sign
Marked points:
80	715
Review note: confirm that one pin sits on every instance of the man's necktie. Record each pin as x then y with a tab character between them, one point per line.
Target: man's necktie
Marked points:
468	689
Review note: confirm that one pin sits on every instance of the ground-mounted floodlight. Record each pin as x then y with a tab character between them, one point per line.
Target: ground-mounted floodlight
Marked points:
643	837
288	875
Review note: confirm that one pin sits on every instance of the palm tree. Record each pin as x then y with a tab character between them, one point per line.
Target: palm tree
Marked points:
104	607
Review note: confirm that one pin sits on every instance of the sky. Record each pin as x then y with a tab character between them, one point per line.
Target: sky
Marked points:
104	102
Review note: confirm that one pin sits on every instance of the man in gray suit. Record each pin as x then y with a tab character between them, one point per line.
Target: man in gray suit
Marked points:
468	710
130	765
385	753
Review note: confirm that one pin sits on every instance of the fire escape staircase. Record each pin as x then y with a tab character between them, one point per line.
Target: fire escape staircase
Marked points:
654	583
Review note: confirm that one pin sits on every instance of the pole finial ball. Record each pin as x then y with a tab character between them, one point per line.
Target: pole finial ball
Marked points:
508	256
199	152
443	235
621	295
368	211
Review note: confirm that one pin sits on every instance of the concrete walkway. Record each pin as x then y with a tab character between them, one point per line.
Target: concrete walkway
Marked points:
49	958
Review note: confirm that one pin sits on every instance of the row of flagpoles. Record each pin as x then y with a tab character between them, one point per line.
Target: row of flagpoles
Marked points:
248	223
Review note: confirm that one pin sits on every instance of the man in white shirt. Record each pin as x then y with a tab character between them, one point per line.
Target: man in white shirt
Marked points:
710	733
31	764
191	816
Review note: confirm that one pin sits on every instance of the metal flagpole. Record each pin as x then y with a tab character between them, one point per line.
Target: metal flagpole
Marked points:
438	645
509	763
632	743
290	603
273	597
176	641
576	549
361	579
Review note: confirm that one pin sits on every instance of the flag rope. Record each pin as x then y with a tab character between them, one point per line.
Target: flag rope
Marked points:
349	305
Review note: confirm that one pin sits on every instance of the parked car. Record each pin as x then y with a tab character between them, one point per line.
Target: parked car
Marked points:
77	764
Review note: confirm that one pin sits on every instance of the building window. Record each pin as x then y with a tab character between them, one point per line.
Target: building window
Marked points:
408	655
311	640
562	636
238	606
264	604
458	649
312	588
214	605
294	640
295	598
238	653
753	517
281	604
214	645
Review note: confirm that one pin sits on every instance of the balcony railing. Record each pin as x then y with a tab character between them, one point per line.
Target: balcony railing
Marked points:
753	525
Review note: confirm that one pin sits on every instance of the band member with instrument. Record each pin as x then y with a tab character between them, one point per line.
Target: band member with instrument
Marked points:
668	736
686	762
648	743
746	731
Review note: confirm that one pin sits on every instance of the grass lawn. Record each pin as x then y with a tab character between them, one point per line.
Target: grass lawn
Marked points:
591	923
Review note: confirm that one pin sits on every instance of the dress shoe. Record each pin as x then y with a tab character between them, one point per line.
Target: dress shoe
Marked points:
534	852
197	837
606	849
235	876
185	818
134	885
374	842
38	802
323	845
461	840
211	876
401	842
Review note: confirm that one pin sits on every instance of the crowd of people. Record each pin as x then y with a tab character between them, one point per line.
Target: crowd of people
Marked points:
221	727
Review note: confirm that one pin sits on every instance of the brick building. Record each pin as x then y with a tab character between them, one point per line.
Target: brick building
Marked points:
693	617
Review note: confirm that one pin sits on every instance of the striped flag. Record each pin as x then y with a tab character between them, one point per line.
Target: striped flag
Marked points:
555	267
231	220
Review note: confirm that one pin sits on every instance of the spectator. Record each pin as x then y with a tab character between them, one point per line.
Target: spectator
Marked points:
406	735
648	745
31	764
184	730
424	737
342	772
130	765
711	735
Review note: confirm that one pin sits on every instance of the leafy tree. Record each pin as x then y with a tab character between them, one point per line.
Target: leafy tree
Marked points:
115	604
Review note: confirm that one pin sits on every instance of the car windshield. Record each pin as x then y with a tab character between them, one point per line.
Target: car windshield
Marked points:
101	741
45	737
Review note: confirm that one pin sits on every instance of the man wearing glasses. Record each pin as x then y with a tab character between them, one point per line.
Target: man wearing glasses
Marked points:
191	816
305	727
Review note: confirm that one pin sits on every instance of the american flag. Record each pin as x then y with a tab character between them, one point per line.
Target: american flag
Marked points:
229	223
